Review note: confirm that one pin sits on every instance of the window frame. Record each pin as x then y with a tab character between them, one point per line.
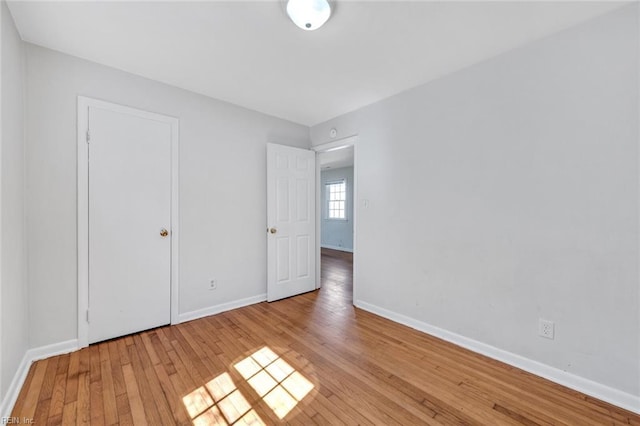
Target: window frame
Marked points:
327	199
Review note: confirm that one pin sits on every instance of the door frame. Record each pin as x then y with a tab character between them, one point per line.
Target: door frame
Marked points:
83	206
349	141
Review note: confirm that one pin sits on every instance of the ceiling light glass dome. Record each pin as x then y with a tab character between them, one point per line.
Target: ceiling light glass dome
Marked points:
309	14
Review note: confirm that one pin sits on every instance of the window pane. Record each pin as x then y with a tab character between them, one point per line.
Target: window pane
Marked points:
336	196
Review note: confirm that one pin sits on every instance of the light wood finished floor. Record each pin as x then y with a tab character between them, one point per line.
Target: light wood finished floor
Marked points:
308	359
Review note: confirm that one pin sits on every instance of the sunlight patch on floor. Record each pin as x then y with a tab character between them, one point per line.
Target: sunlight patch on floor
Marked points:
220	402
274	380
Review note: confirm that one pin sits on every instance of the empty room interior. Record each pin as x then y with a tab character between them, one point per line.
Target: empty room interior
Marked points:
320	212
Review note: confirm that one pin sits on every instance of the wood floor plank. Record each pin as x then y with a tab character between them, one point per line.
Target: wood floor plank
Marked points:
95	386
124	409
310	359
42	409
31	398
166	343
44	400
158	392
150	408
124	351
182	382
108	389
58	392
160	349
177	409
71	393
69	413
22	395
135	401
119	386
190	372
83	405
48	381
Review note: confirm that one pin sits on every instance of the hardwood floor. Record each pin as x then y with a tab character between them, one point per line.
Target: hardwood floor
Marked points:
311	359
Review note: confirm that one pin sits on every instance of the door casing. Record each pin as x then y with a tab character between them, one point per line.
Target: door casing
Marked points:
84	103
326	147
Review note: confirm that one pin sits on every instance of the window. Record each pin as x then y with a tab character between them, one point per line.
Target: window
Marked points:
336	200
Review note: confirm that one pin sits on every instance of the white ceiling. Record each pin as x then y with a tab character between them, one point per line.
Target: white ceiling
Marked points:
250	54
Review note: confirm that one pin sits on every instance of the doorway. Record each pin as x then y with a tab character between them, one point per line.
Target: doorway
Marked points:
336	199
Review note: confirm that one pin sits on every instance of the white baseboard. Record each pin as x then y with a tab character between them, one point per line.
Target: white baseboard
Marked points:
223	307
43	352
597	390
29	358
348	250
14	388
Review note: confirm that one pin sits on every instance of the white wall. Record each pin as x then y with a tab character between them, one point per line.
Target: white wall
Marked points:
337	233
222	186
508	192
13	281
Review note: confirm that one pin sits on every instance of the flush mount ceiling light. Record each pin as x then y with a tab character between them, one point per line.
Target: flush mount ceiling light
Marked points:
309	14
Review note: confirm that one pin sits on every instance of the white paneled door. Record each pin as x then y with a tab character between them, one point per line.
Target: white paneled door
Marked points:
129	223
291	225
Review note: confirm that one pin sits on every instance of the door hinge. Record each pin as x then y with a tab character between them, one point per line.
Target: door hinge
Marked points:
87	315
88	136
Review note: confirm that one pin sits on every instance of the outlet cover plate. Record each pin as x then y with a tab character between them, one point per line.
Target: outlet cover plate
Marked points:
546	328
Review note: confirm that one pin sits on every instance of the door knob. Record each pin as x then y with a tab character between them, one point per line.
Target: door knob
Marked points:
164	232
273	230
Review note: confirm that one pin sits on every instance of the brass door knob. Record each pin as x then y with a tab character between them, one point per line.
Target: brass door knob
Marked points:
164	232
273	230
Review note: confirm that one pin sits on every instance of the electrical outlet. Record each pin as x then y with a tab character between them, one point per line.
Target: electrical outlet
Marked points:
213	284
546	328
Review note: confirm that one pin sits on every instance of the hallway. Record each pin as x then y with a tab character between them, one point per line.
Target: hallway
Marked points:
336	276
